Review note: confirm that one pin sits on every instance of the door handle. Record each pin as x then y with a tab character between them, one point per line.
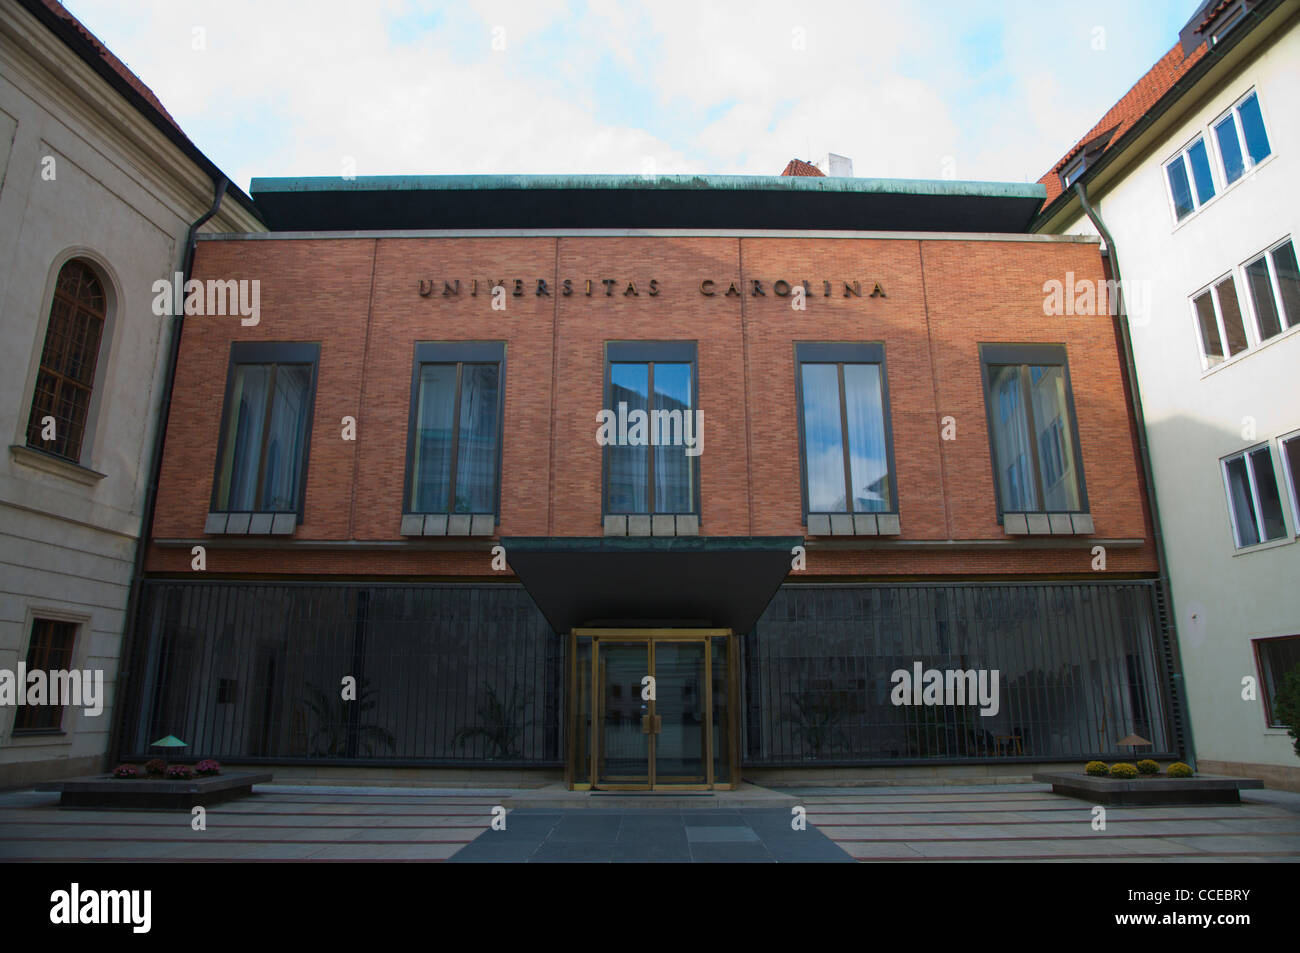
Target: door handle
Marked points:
651	724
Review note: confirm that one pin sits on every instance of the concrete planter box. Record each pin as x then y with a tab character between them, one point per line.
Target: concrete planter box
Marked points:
1159	790
156	793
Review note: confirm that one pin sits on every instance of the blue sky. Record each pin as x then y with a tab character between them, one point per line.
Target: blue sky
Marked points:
975	90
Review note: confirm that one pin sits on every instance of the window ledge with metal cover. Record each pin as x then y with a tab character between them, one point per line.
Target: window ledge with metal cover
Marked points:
651	524
448	524
251	524
853	524
1047	524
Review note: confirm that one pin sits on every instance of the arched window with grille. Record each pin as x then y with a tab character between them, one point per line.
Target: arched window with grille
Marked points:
68	359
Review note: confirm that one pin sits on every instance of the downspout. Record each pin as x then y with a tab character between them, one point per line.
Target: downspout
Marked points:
130	620
1135	396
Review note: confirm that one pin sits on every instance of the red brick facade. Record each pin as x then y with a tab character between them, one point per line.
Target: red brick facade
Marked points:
941	298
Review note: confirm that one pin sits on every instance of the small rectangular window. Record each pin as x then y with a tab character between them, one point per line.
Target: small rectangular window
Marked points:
1277	659
1218	317
1191	183
266	427
1253	499
1243	141
846	451
455	440
50	650
1274	284
1290	445
1032	429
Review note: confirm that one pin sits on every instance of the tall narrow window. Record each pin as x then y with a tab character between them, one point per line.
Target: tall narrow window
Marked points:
845	430
1274	282
1218	317
1253	499
1035	445
262	463
50	650
455	443
655	429
68	360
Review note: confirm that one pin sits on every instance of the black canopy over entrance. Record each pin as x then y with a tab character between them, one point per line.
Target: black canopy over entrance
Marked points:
718	582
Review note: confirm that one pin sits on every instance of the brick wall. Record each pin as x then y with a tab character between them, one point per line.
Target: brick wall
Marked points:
360	299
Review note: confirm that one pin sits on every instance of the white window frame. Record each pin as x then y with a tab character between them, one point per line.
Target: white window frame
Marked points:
1184	154
1274	287
1235	112
1290	479
1254	495
1213	290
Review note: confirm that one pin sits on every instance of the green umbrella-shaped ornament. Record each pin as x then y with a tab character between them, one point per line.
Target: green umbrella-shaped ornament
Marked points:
171	741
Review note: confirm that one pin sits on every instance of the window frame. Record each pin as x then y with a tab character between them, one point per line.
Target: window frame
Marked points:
458	353
650	352
1249	164
1254	496
1025	355
18	729
841	353
1275	288
1257	645
1292	478
1212	289
108	287
275	353
1184	155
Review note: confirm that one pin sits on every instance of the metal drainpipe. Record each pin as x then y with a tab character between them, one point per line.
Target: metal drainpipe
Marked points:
155	469
1121	319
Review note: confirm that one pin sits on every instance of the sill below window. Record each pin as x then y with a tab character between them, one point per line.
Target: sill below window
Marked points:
1249	350
49	463
853	524
444	524
251	524
658	524
1047	524
1266	544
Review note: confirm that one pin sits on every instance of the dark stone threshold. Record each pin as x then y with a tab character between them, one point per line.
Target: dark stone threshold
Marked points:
1143	791
158	794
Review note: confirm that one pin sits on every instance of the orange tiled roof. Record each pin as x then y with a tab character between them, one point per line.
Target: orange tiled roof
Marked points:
1121	117
799	167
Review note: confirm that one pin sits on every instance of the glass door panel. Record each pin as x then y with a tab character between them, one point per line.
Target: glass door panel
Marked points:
681	716
623	726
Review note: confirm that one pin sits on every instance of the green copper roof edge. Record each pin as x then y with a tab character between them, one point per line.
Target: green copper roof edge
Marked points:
670	183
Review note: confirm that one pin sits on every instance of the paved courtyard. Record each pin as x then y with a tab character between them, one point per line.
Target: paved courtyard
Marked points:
1021	822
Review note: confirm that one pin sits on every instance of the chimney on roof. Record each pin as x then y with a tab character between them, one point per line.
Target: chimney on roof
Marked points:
837	165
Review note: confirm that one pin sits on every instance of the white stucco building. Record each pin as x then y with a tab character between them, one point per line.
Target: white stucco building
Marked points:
98	190
1195	174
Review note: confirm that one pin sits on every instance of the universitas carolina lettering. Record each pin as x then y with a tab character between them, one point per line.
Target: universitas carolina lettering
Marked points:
636	288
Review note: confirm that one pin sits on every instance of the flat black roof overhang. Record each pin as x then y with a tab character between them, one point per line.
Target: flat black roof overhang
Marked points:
704	582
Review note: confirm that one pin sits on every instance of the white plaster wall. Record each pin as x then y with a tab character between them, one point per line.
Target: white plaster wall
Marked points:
66	548
1224	597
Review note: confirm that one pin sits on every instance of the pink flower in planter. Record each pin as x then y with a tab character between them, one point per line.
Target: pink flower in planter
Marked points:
206	767
126	771
180	772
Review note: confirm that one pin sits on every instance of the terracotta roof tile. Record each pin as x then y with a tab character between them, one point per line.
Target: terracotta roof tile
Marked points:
1134	104
799	167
